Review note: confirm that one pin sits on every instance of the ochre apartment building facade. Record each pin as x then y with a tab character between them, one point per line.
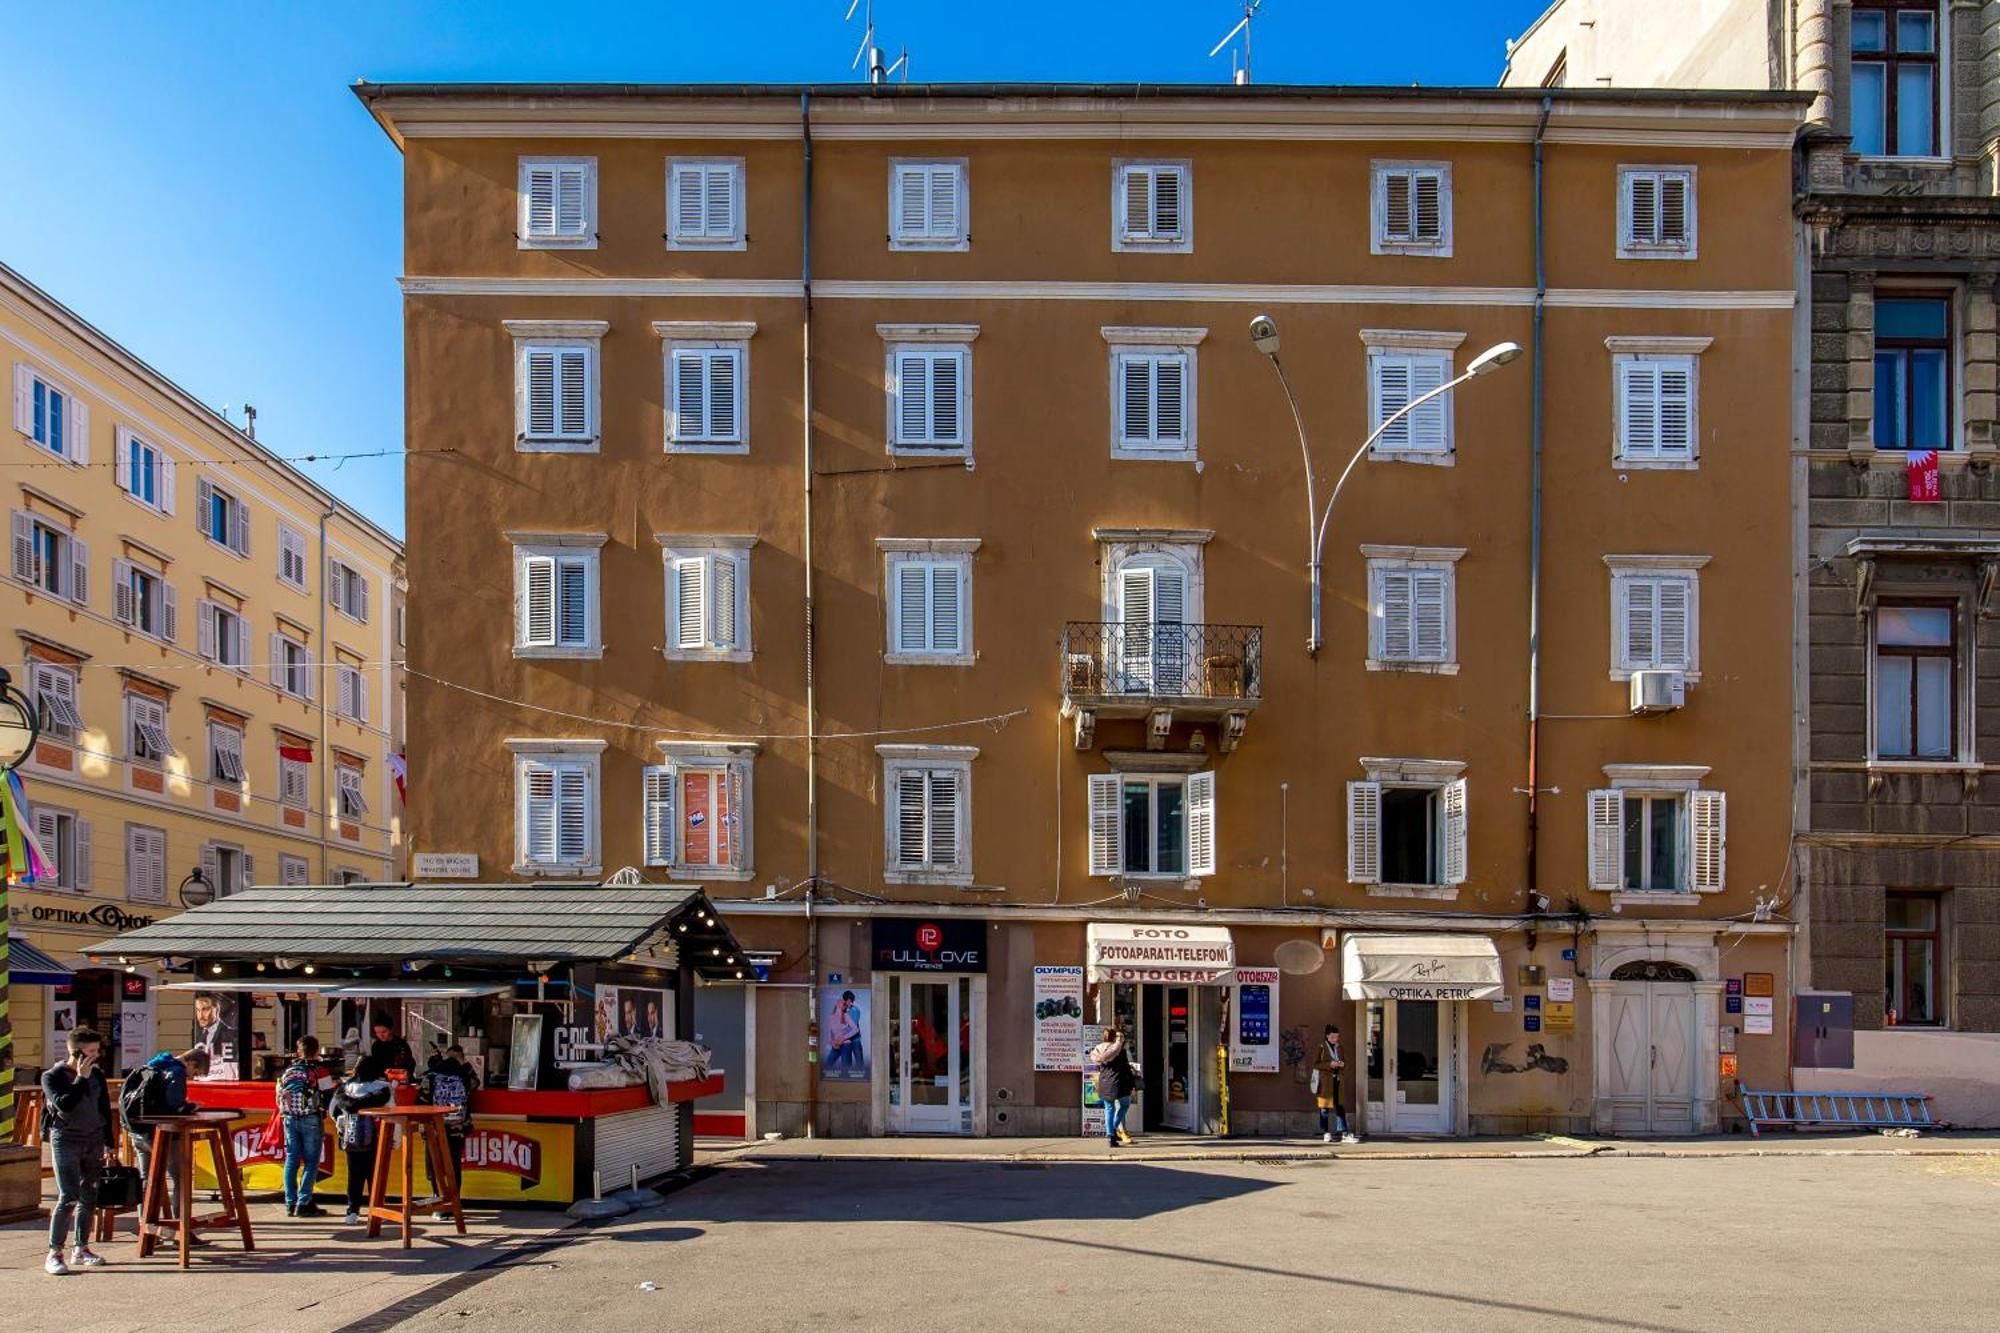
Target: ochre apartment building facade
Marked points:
967	372
208	637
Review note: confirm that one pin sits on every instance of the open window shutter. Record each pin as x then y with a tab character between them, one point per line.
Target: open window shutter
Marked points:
659	803
722	591
1138	202
1170	400
912	202
1106	827
1453	799
541	391
574	603
946	615
309	673
1673	209
1644	196
538	601
541	200
1607	839
1641	643
1428	591
357	596
1201	823
947	390
1398	622
239	527
1167	192
242	644
204	616
1392	394
575	370
913	398
1396	217
82	878
279	676
1426	206
912	611
1707	819
912	809
121	466
572	200
168	470
23	546
1364	832
1675	633
79	571
1135	631
1428	423
170	612
538	812
76	442
1135	399
45	834
944	224
211	869
573	814
361	697
1170	640
204	504
24	399
738	816
724	375
336	586
690	395
944	816
1676	410
690	596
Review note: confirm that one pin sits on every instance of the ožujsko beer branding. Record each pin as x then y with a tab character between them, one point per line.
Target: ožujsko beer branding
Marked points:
506	1152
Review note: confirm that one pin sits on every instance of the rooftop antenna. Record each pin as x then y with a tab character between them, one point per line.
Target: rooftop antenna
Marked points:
1239	74
877	71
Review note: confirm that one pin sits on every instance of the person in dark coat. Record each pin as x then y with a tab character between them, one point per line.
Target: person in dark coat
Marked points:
358	1135
389	1050
76	1122
1116	1082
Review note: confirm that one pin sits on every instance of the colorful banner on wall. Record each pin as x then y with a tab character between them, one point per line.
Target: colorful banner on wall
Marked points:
506	1161
1921	466
1253	1037
1058	1019
843	1034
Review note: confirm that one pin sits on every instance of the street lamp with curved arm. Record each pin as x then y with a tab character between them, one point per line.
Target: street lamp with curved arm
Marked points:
1264	335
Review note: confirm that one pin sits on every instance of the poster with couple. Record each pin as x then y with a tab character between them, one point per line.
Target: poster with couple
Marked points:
843	1034
633	1011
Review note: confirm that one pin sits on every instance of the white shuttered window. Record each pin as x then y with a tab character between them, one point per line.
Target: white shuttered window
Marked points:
1657	400
555	601
1143	824
558	202
697	810
1395	380
708	602
707	396
1655	621
1412	208
1407	834
1656	213
1646	841
705	204
929	394
1413	613
930	607
1152	407
558	394
1152	206
928	206
145	863
556	812
927	806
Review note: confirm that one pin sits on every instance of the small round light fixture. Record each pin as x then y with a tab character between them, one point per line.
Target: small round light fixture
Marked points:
20	723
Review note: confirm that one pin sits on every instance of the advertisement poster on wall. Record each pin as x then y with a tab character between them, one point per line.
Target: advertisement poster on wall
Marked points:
843	1034
1253	1037
1058	1019
1093	1106
634	1011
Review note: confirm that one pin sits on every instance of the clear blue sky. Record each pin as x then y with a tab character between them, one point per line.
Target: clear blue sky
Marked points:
196	179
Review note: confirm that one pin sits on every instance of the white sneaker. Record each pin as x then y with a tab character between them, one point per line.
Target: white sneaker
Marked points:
353	1218
1350	1138
84	1259
54	1265
1326	1138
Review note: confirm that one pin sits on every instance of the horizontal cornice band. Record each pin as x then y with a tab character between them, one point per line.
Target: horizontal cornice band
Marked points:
1222	292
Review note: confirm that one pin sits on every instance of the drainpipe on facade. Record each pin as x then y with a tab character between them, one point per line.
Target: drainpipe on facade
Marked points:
812	700
1535	531
324	759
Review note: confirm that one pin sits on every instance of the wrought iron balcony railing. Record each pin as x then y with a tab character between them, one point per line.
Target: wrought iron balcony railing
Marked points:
1104	661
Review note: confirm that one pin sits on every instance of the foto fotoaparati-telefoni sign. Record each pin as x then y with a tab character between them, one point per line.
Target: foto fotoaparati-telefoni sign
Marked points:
1183	955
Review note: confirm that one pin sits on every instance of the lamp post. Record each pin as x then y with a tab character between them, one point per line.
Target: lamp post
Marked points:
1264	336
195	890
20	724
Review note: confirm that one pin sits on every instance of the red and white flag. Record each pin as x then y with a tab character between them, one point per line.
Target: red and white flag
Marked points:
399	768
1922	469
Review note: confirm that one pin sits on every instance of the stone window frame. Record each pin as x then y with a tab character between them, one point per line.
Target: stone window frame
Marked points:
1975	366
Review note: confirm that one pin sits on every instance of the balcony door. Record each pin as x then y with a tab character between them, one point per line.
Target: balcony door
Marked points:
1152	653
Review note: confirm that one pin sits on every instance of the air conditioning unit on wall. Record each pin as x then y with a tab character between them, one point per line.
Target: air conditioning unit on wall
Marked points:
1658	691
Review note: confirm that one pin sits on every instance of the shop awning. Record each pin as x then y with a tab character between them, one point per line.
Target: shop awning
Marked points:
1433	966
254	985
29	966
430	990
1180	955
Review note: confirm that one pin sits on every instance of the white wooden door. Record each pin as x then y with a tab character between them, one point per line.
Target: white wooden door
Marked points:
1672	1021
933	1073
1628	1076
1650	1079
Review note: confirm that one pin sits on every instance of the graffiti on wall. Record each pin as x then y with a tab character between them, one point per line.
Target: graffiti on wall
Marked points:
1495	1060
1292	1043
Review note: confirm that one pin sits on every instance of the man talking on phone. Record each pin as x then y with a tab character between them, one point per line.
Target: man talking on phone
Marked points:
76	1121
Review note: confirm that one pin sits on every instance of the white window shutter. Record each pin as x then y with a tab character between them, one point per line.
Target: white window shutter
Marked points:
1675	629
913	397
912	810
541	200
538	812
242	644
1426	206
1135	399
944	223
659	813
688	200
538	602
1675	430
1391	386
76	442
573	604
1643	189
1106	824
690	602
690	395
1396	211
1707	818
718	202
1639	612
24	399
211	868
540	392
1430	591
1607	839
946	618
204	615
1397	613
911	610
572	815
572	200
912	202
1673	227
309	673
23	546
1429	430
1454	801
361	697
79	571
945	812
83	876
45	834
722	590
1364	832
1201	823
169	469
279	676
1169	199
724	378
122	466
574	374
239	527
1138	194
1170	400
204	503
947	398
736	824
1637	409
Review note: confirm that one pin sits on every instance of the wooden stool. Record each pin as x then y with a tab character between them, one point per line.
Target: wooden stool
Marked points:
422	1125
178	1135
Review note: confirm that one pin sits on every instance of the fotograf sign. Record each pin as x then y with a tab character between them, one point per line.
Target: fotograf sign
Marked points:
928	944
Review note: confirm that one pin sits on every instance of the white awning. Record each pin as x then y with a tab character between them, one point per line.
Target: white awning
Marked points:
1434	966
1182	955
256	985
414	990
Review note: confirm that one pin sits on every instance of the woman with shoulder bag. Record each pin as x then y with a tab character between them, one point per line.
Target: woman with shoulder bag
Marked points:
1326	1068
1117	1080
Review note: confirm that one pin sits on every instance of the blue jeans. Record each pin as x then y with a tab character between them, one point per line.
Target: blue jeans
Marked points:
1114	1115
1335	1114
303	1136
77	1162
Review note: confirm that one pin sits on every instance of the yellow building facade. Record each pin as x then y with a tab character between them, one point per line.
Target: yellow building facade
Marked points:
210	638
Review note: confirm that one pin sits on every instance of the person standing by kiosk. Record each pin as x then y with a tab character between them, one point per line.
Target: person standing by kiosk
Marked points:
76	1121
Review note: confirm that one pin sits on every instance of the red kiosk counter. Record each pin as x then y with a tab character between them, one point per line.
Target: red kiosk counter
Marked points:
532	978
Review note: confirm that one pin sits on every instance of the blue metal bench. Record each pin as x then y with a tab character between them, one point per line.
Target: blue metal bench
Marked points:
1838	1110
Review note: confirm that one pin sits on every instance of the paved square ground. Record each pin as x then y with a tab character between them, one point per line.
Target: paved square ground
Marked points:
1823	1242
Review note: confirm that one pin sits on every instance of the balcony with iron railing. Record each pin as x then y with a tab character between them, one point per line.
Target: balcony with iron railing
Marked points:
1159	671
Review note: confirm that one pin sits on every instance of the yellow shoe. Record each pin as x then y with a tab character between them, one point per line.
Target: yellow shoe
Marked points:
1124	1139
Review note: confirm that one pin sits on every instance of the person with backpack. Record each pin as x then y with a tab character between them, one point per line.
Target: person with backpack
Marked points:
155	1089
357	1134
76	1123
449	1082
301	1105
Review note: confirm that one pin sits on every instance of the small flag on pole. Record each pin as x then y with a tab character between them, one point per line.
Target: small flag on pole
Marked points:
399	768
1922	468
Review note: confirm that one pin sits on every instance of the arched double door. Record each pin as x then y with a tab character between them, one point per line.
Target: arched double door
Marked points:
1650	1082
